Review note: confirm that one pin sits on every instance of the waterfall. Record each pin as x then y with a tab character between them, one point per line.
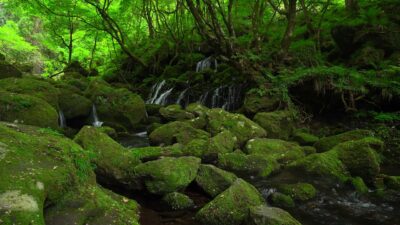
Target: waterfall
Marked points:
162	100
96	121
206	64
181	96
61	119
155	90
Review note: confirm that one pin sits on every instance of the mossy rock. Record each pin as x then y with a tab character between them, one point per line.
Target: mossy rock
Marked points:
282	151
30	86
240	126
231	206
264	215
116	107
392	182
247	164
7	70
281	200
92	205
113	162
254	103
153	153
153	109
175	112
199	122
197	147
80	83
178	201
278	124
359	185
177	131
72	102
308	150
168	174
327	143
26	109
214	180
298	191
197	109
304	138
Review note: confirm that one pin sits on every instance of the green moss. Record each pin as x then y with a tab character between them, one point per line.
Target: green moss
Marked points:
231	206
72	102
178	201
278	124
392	182
304	138
326	143
197	109
168	174
198	122
7	70
308	150
299	191
151	153
223	142
359	185
281	200
264	215
27	109
254	103
197	147
175	112
214	180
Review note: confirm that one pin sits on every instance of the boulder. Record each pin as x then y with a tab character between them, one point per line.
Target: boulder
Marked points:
177	131
254	103
214	180
304	138
116	107
281	200
168	174
7	70
197	109
114	163
175	112
298	191
327	143
72	102
199	122
240	126
278	124
178	201
26	109
264	215
231	207
152	153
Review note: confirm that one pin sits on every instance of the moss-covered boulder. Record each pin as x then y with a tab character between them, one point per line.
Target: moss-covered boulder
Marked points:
155	152
153	109
278	124
116	107
7	70
168	174
176	132
392	182
359	185
231	206
282	151
280	200
175	112
254	103
298	191
26	109
178	201
197	109
199	122
304	138
240	126
113	162
214	180
72	102
326	143
224	142
247	164
34	87
264	215
41	171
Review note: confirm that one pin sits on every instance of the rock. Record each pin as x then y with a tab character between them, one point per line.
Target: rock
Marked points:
197	109
308	150
175	112
224	142
73	103
214	180
247	164
153	110
116	107
264	215
168	175
153	153
7	70
304	138
299	191
178	201
80	83
326	143
231	207
278	124
240	126
275	149
114	163
359	185
177	131
153	127
281	200
198	122
26	109
254	103
30	86
197	147
392	182
76	67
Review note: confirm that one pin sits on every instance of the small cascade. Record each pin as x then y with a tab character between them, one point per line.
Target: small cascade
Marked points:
155	90
207	63
96	121
162	100
226	97
181	97
61	119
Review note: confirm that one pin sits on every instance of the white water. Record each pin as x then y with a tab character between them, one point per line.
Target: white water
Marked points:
181	96
162	100
96	121
61	119
206	64
155	90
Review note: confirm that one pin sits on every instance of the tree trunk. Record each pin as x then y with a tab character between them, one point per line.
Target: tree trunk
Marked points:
291	23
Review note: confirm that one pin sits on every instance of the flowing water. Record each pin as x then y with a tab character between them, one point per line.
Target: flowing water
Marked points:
96	122
207	63
61	119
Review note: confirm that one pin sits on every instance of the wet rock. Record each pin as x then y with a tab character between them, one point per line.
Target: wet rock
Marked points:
197	109
281	200
326	143
72	102
177	131
359	185
168	174
153	110
304	138
231	206
7	70
178	201
264	215
175	112
298	191
153	153
26	109
278	124
214	180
